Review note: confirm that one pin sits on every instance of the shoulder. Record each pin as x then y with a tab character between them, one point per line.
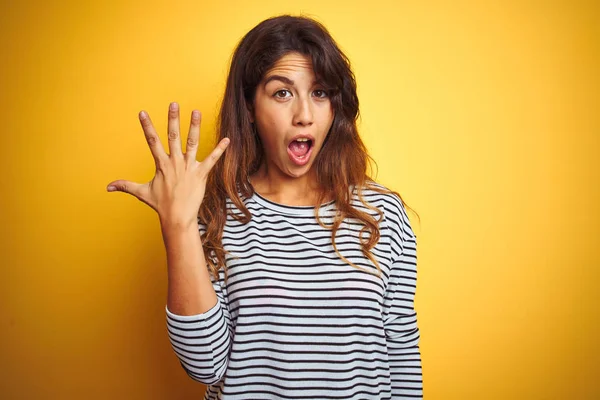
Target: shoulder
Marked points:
385	199
234	210
395	218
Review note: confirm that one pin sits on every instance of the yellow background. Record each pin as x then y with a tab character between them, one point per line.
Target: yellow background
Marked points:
483	115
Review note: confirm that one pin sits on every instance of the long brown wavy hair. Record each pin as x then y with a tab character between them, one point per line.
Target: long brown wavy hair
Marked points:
342	163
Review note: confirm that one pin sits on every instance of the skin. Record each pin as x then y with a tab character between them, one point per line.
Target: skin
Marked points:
282	110
176	193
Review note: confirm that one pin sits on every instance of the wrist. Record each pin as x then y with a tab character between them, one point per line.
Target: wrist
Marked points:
175	225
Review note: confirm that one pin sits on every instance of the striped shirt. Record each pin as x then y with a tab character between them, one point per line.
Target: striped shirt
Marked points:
295	321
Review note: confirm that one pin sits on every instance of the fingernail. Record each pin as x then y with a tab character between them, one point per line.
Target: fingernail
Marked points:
111	188
143	114
174	106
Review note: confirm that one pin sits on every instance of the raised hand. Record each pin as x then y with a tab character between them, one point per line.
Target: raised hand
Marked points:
178	187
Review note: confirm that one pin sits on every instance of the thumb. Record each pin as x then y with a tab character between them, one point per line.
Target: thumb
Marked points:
139	190
126	187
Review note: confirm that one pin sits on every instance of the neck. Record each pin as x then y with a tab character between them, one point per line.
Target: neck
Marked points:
272	184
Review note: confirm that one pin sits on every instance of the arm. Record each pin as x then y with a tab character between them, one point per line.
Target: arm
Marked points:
198	321
190	290
400	317
197	324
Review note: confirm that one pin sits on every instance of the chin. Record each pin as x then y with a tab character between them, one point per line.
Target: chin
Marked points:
297	174
297	171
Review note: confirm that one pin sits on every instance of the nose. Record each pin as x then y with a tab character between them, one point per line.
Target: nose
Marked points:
303	113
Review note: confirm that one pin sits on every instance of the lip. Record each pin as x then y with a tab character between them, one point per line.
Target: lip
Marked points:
300	161
302	136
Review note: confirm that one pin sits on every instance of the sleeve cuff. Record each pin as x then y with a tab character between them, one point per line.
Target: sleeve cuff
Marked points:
197	317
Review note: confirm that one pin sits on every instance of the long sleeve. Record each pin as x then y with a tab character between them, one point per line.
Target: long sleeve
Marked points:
202	342
400	317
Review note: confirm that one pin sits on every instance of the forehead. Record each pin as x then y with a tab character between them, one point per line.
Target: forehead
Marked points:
291	63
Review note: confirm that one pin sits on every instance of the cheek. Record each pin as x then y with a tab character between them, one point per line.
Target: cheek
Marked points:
270	132
271	126
326	118
331	118
326	113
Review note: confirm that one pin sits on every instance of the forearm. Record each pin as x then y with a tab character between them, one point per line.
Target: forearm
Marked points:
190	289
202	342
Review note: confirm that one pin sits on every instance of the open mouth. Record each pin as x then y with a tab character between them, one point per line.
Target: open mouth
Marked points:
300	150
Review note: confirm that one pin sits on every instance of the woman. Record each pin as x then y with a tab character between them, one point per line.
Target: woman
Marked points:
311	266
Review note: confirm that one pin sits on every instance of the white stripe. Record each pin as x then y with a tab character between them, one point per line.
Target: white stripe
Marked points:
305	324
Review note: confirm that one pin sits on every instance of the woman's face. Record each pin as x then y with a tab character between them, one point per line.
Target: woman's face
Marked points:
293	114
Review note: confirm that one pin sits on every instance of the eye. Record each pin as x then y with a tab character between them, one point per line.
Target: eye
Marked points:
281	94
320	93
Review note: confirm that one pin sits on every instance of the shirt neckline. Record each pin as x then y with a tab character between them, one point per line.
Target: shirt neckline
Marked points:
292	210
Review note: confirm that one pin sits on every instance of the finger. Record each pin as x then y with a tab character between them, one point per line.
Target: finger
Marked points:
132	188
173	131
158	152
191	147
213	157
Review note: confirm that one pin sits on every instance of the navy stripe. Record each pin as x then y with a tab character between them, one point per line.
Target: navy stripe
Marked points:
295	321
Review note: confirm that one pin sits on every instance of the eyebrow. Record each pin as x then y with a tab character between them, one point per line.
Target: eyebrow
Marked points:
285	80
278	78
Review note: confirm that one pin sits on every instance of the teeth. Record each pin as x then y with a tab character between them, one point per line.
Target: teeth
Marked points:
302	140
